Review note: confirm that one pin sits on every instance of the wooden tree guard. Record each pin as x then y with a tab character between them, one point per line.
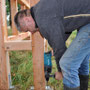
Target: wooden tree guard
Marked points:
14	42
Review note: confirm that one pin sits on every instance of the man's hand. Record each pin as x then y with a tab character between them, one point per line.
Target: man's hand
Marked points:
58	76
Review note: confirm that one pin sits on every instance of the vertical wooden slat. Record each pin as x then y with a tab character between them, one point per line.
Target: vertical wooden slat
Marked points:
4	23
3	65
4	28
38	61
8	70
14	9
38	58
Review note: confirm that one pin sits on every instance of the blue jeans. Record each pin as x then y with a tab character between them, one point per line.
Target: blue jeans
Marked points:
75	60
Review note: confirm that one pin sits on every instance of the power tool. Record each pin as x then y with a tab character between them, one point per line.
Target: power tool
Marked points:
48	66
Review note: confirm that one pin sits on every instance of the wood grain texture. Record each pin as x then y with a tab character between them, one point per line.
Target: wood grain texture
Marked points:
3	65
24	2
20	36
38	61
4	21
18	45
14	10
38	57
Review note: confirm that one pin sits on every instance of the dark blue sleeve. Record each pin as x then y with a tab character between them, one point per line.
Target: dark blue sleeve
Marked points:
56	39
53	31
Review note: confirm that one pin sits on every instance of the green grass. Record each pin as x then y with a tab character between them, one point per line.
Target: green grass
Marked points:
22	70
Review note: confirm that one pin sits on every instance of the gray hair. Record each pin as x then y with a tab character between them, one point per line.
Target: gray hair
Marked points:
19	15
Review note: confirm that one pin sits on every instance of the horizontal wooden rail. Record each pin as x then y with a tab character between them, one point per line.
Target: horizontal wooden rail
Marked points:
18	45
24	2
21	36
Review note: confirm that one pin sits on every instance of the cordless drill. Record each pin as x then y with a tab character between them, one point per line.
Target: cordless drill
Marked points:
48	65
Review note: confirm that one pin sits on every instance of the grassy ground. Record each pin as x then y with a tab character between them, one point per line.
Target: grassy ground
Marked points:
22	71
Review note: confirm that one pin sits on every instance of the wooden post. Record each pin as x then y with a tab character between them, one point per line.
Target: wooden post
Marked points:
4	29
3	64
4	23
38	58
14	9
8	69
38	61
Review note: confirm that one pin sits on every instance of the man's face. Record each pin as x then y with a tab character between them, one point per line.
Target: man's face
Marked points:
27	24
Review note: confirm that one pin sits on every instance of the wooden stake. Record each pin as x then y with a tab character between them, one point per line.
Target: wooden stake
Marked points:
3	65
8	69
38	61
4	22
14	10
38	58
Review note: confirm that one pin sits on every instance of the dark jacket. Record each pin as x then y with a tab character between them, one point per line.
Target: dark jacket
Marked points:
56	18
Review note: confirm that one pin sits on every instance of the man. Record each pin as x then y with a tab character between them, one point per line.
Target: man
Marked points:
56	19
